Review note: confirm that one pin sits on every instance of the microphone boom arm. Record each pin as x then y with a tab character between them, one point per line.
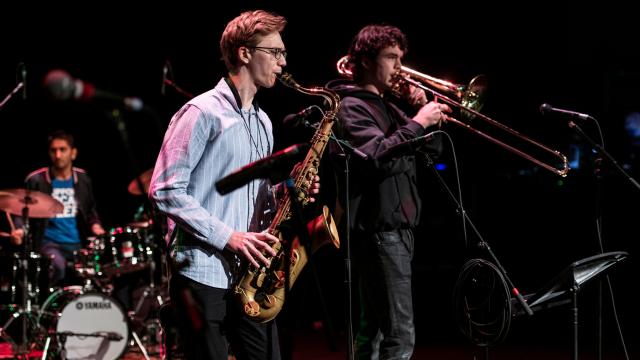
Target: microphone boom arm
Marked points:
19	86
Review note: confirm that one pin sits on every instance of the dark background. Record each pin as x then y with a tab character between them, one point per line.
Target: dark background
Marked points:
571	55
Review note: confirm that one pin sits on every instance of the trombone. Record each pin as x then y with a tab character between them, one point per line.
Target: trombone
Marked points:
469	99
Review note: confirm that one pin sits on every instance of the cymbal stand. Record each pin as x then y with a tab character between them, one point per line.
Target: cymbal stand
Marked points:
150	291
25	310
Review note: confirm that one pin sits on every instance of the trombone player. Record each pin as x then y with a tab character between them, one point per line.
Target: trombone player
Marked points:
384	201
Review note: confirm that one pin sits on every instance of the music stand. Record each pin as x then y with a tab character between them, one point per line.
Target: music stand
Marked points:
565	286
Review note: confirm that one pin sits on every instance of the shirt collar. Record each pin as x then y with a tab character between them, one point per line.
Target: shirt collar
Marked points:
236	96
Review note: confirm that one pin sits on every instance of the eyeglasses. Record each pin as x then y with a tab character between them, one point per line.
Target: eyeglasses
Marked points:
276	52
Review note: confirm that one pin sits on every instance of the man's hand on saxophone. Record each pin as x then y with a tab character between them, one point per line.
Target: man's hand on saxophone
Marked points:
310	188
314	188
252	246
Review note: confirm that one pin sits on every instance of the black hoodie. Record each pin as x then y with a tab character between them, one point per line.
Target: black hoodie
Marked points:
383	193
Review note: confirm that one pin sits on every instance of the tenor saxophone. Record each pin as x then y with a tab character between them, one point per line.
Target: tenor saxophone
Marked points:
261	291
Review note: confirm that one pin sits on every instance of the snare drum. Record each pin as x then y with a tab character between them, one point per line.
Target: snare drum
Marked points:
88	325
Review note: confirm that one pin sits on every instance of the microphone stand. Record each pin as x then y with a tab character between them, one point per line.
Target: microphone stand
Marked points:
597	172
117	118
167	72
482	243
185	93
19	86
604	153
347	240
121	126
300	228
347	253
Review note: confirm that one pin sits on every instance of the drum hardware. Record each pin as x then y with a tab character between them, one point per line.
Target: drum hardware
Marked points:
148	223
121	251
28	204
124	250
156	293
151	290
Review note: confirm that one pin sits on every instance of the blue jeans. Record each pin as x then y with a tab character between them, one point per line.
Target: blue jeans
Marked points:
386	329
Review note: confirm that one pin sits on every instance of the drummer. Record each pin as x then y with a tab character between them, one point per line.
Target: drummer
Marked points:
60	235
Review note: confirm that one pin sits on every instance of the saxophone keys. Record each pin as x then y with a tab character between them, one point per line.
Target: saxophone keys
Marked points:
295	256
269	301
279	279
260	279
252	308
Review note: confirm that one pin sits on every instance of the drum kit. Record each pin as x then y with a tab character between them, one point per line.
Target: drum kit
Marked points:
80	321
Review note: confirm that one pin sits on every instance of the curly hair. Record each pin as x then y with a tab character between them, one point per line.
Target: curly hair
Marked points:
246	30
370	40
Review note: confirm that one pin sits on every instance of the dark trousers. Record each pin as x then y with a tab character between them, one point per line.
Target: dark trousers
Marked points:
61	255
209	319
386	329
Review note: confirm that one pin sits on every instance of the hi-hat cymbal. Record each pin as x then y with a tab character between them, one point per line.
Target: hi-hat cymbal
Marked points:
40	204
145	179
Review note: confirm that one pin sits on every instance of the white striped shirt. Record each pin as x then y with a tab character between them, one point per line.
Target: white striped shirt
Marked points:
208	138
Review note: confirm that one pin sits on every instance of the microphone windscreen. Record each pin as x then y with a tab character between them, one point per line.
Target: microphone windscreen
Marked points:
545	107
290	120
59	84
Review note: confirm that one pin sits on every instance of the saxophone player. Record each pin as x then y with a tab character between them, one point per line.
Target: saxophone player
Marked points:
384	201
209	137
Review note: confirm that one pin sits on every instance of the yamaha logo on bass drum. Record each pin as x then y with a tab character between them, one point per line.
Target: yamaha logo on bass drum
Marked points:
93	305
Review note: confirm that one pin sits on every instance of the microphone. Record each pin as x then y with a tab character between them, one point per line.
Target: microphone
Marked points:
23	80
165	70
544	108
404	147
299	118
109	335
62	86
275	167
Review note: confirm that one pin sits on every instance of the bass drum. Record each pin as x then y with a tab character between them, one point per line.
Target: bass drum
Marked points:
88	325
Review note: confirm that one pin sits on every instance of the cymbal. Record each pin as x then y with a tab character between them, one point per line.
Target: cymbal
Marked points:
145	179
40	204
